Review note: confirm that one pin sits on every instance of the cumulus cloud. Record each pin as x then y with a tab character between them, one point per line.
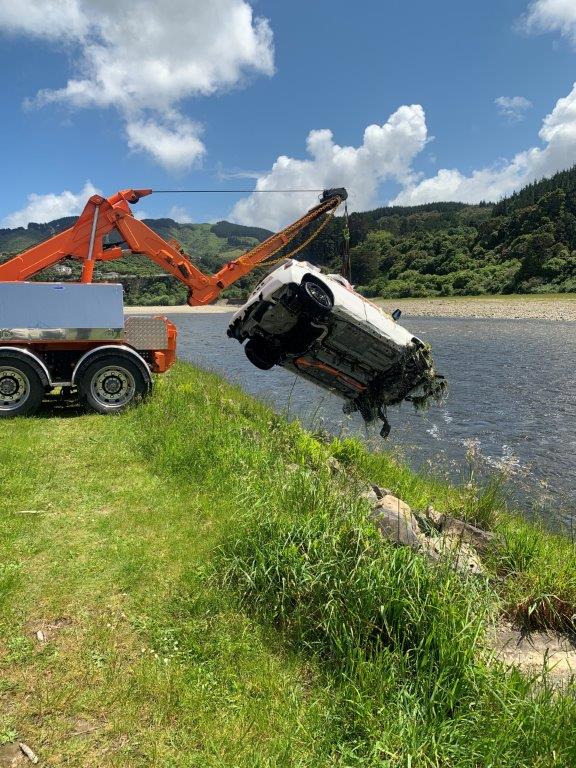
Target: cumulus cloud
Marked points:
175	144
180	214
386	152
43	208
513	107
145	60
558	134
552	16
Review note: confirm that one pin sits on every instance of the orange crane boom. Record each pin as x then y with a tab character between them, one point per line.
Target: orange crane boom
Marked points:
102	216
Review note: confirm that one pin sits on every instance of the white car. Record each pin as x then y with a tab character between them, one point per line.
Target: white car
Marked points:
319	327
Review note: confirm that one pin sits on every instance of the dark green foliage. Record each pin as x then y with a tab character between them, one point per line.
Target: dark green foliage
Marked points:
524	244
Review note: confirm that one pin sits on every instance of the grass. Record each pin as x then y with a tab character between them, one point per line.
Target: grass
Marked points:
210	594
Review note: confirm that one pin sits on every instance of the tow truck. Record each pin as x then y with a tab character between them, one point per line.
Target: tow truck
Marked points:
72	338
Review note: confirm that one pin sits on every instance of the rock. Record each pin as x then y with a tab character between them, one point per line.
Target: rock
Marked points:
462	557
436	518
396	522
381	492
370	496
335	467
468	534
30	754
452	526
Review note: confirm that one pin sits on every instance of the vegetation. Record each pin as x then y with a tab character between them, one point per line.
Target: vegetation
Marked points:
210	593
524	244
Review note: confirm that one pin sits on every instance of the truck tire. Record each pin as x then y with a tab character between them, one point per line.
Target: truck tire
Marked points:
21	390
111	384
317	298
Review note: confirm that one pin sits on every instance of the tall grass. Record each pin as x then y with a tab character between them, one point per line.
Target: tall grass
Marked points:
398	642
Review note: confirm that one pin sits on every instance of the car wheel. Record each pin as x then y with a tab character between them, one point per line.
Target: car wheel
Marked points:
260	354
112	384
21	390
316	296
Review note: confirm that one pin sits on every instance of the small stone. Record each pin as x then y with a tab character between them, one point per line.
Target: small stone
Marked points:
436	518
334	464
28	752
380	492
40	636
370	496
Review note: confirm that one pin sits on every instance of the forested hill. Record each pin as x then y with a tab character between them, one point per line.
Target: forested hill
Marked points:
525	243
209	246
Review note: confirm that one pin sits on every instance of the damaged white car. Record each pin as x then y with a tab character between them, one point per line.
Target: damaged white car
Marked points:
317	326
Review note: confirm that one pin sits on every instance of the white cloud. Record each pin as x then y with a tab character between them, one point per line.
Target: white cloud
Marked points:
558	133
513	107
552	16
44	18
387	151
145	59
180	214
174	144
43	208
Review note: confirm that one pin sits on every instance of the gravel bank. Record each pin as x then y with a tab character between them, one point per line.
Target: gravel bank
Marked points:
561	308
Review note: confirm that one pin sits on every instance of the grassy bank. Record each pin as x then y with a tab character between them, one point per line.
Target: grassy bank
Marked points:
208	593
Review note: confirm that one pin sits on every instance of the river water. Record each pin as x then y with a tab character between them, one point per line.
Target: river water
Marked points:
511	404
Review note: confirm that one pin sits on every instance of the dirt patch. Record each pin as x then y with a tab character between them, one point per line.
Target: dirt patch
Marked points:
531	652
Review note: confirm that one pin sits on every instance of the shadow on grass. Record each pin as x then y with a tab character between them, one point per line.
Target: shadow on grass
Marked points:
55	406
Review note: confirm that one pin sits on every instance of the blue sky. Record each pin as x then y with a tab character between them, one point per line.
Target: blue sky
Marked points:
248	81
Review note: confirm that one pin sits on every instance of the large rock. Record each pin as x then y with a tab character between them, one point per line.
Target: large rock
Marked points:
459	529
395	521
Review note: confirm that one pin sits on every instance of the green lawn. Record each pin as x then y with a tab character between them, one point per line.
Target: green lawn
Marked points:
209	593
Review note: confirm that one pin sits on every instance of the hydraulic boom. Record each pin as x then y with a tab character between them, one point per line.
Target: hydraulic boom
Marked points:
85	241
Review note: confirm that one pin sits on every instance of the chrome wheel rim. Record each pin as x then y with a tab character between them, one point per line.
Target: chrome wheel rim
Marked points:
319	295
113	386
14	388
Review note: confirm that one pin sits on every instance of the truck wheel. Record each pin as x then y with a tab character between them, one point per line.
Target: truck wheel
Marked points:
316	297
21	390
259	355
111	384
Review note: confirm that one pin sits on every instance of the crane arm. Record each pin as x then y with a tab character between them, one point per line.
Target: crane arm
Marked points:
101	216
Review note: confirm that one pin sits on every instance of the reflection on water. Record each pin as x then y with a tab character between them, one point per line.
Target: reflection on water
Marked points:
512	399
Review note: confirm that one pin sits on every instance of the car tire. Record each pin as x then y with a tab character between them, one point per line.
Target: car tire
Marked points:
259	355
112	384
21	390
316	297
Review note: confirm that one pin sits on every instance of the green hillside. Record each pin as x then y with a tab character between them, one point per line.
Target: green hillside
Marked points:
523	244
209	246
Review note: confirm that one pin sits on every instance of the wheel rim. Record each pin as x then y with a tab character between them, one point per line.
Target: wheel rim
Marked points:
14	388
319	295
113	386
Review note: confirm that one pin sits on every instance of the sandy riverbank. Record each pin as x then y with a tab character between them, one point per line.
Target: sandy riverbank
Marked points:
552	307
182	309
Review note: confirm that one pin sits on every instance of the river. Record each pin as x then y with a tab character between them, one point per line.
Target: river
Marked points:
512	401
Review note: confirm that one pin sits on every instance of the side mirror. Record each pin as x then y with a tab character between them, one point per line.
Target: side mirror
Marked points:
396	315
